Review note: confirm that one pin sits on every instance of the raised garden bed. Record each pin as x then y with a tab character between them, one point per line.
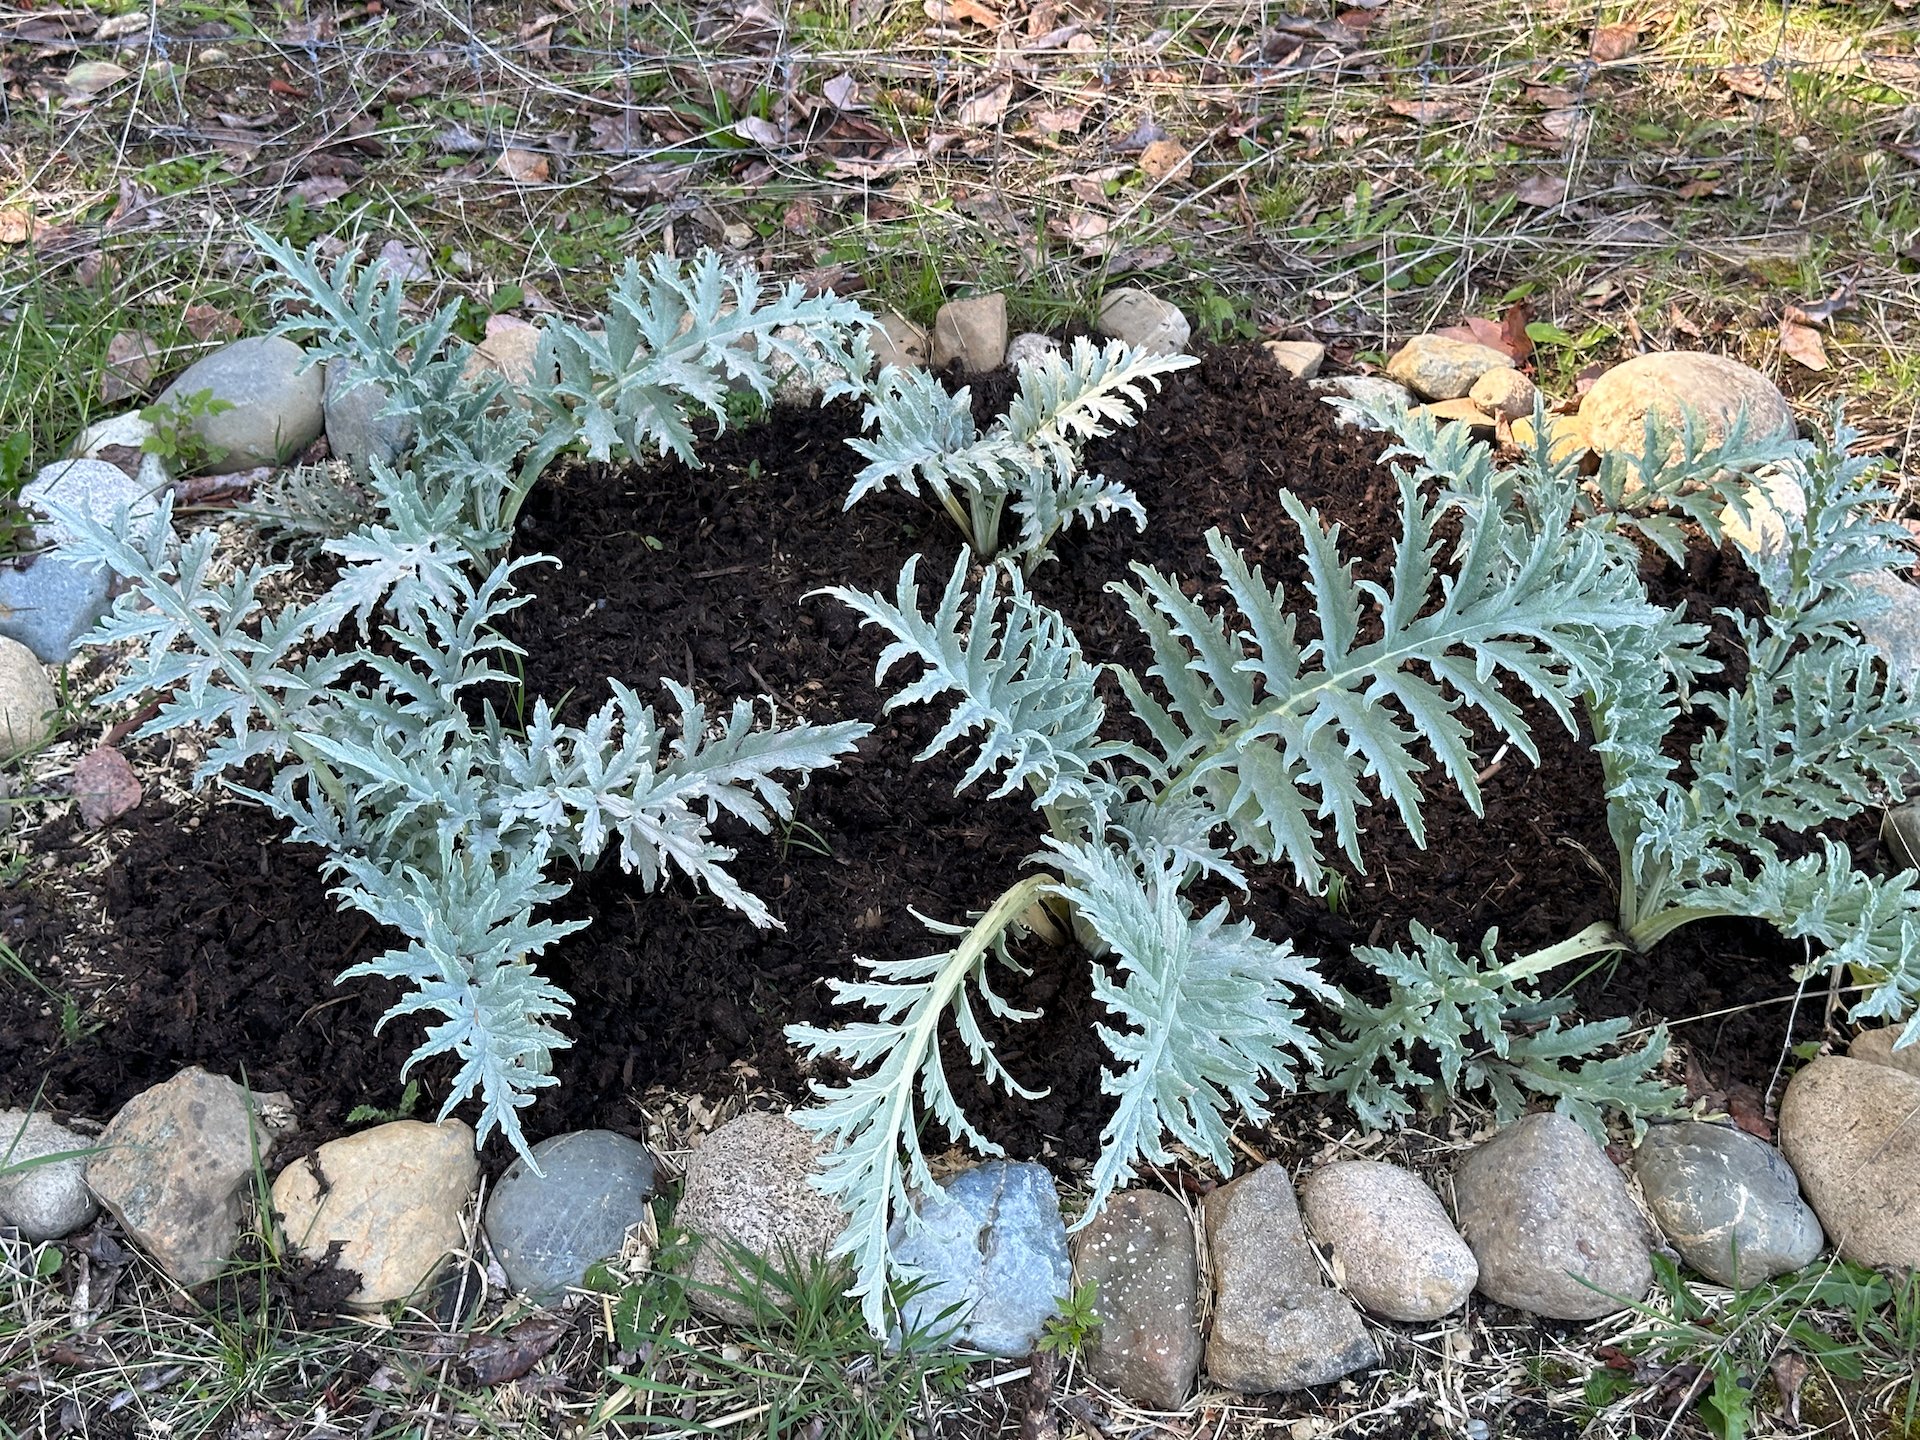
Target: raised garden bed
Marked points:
220	947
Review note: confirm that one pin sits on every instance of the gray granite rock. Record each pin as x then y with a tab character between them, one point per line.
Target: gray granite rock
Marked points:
357	430
1551	1223
1394	1249
1030	349
41	1197
1277	1325
547	1229
92	488
47	602
1851	1129
1140	1257
1727	1201
118	434
748	1185
971	334
1144	321
171	1164
278	402
991	1248
1438	367
1895	631
26	696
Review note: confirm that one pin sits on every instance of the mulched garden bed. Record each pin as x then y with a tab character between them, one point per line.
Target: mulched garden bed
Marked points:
223	946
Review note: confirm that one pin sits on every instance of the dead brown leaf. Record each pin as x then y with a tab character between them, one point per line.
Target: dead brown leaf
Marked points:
1083	229
90	77
321	190
1552	97
1057	122
1684	323
1541	191
951	12
987	107
524	167
104	786
1753	81
843	92
1614	42
1789	1374
1477	330
1429	112
762	132
209	322
496	1359
128	371
1166	160
1801	343
1564	124
18	225
1698	189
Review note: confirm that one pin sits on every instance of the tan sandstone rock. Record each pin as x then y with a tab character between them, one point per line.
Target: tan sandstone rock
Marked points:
971	334
391	1197
1851	1129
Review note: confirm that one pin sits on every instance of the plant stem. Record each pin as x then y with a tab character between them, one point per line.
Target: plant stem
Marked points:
1650	931
1601	936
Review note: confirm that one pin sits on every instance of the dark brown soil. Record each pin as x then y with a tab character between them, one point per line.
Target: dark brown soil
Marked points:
224	948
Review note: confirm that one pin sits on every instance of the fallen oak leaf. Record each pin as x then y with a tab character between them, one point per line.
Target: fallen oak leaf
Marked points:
321	190
524	167
947	12
496	1359
1477	330
987	107
1166	160
128	370
1755	82
18	225
209	322
1801	343
843	92
1542	192
1057	122
1462	410
104	786
1429	112
1614	42
90	77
